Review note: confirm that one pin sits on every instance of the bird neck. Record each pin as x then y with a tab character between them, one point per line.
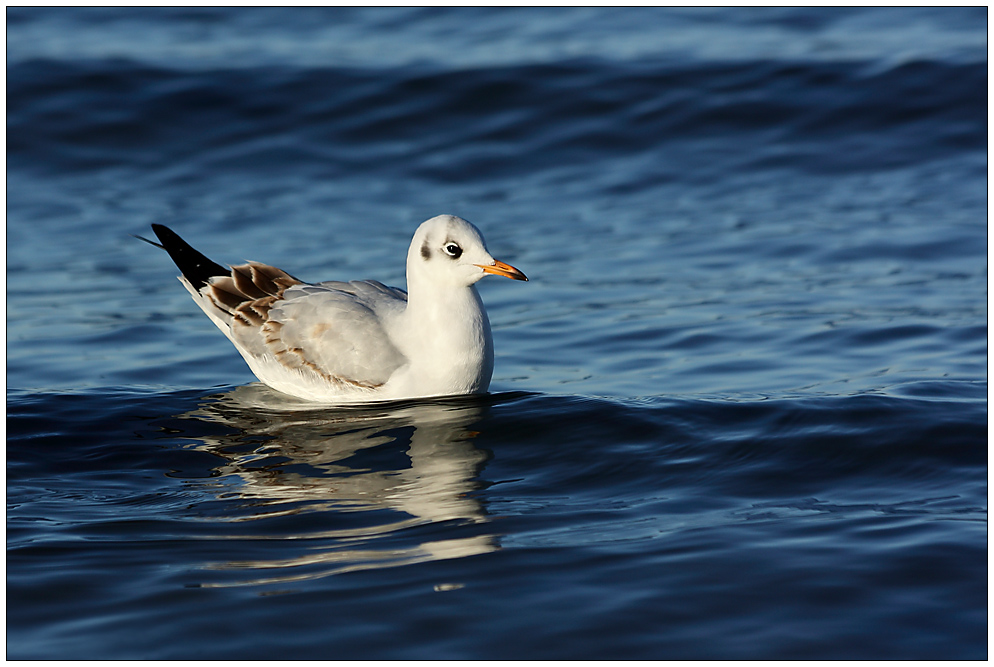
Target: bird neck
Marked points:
446	307
451	328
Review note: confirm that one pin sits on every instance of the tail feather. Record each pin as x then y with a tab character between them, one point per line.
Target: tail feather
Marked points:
195	267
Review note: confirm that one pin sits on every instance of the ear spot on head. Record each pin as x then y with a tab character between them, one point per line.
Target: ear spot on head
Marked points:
425	250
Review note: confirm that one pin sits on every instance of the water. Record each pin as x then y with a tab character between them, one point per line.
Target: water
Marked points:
740	411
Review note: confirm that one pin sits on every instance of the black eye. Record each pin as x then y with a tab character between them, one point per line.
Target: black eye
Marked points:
452	250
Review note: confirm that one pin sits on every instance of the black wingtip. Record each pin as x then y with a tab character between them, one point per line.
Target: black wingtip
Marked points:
142	238
194	266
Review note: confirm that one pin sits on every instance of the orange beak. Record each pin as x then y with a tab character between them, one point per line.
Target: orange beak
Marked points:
502	269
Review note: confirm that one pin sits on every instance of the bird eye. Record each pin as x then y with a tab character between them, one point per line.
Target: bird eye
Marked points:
452	250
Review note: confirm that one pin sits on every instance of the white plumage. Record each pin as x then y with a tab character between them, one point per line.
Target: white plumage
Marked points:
343	342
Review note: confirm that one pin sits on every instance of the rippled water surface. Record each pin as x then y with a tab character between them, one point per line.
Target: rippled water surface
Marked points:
739	411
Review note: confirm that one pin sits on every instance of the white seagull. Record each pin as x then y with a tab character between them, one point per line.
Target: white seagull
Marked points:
347	342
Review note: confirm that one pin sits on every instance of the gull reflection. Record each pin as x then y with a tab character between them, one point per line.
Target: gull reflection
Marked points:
406	465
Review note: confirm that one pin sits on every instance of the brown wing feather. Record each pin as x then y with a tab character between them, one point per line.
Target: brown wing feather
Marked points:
249	292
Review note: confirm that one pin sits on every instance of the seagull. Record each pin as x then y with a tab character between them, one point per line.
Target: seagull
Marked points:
359	341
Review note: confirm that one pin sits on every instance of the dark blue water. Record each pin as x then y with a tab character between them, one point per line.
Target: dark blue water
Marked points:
739	412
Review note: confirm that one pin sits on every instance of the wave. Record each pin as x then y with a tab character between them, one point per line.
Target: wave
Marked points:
823	501
806	439
491	121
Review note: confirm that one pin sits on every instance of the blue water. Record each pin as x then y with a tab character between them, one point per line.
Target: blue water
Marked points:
739	411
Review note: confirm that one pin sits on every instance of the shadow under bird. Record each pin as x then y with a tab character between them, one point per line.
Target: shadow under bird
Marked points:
358	341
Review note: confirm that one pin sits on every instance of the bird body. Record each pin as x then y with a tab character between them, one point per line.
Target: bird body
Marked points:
344	342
